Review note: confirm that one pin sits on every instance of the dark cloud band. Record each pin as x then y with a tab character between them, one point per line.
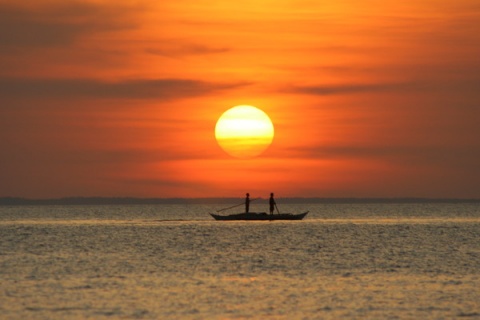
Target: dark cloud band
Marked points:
88	88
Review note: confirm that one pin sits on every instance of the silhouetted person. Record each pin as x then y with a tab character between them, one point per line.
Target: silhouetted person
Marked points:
247	203
272	203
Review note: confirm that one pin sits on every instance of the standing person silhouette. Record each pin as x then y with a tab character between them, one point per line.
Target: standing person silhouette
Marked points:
272	203
247	203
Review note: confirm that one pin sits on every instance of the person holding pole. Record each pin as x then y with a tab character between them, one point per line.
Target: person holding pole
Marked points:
246	203
272	203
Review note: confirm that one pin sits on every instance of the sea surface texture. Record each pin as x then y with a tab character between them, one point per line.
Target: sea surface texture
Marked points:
343	261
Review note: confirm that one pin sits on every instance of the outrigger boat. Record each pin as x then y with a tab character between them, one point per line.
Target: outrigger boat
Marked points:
260	216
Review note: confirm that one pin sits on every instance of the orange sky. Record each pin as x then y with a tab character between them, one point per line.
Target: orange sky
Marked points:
120	98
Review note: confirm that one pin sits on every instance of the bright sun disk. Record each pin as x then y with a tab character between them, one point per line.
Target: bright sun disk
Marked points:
244	131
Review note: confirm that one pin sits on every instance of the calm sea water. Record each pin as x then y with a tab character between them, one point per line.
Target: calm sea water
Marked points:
344	261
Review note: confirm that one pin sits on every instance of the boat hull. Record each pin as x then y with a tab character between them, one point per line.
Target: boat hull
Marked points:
260	216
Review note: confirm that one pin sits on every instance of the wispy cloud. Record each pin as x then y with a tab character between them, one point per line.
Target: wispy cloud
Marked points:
355	88
89	88
176	49
408	155
54	25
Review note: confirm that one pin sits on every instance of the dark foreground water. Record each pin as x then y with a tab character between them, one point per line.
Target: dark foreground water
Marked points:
375	261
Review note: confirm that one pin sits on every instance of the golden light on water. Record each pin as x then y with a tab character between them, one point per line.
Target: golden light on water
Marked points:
244	131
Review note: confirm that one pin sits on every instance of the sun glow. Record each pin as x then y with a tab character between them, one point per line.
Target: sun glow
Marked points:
244	131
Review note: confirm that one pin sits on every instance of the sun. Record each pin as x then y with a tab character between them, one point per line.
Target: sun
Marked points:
244	131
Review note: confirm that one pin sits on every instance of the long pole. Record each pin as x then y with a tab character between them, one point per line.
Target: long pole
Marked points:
236	205
277	208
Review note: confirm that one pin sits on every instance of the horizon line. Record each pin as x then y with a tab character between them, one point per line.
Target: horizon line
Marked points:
93	200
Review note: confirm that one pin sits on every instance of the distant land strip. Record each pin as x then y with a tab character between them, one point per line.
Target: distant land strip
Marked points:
15	201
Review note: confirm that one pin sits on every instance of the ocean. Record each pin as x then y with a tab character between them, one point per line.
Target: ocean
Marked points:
343	261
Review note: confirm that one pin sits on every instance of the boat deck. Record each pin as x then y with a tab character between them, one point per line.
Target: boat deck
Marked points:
260	216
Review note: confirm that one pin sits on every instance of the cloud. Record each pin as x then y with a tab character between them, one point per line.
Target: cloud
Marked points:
176	49
57	25
127	89
324	90
452	156
347	151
